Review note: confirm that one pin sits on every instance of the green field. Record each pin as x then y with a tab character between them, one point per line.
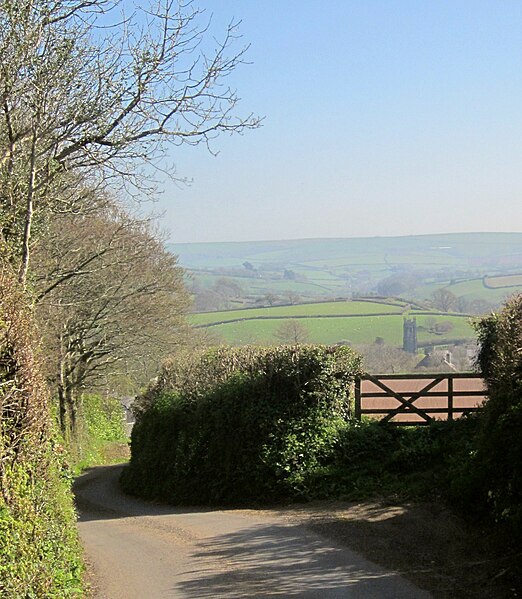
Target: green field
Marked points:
325	323
330	268
319	309
358	331
471	290
503	281
259	287
476	289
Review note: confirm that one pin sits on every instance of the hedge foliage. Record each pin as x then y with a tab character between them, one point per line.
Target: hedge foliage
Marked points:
39	551
497	465
398	462
100	436
231	425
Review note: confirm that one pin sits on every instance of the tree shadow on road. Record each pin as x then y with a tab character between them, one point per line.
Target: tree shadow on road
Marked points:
426	544
287	561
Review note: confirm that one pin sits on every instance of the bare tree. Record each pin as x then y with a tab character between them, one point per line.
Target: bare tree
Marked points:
438	327
381	358
444	299
121	312
228	288
270	299
293	297
292	331
85	91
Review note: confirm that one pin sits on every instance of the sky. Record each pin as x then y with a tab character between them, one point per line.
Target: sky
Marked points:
381	117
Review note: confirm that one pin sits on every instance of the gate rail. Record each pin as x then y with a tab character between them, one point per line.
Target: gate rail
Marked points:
418	399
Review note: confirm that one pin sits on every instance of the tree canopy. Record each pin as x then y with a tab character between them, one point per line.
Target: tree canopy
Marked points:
93	97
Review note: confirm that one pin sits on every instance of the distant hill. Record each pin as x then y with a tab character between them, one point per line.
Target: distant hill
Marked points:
412	267
470	249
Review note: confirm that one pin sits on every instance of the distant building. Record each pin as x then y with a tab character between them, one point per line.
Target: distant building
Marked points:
409	335
126	403
438	361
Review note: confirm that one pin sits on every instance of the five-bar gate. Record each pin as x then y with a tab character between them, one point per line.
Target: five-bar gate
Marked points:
417	399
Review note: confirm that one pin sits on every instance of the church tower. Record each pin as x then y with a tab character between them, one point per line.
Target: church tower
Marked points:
409	335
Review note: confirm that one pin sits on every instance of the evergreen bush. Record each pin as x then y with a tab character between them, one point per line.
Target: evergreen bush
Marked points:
496	484
240	424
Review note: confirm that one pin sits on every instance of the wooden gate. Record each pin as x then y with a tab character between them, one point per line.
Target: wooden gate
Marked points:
417	399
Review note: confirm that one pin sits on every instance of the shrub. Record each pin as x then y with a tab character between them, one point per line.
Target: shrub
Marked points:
375	459
235	425
40	555
103	418
100	436
496	484
39	550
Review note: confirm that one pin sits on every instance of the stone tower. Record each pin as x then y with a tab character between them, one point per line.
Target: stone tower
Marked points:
409	335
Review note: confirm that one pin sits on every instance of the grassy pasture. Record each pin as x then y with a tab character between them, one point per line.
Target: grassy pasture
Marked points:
359	330
375	261
462	329
329	322
476	289
320	330
319	275
340	267
503	281
251	286
259	286
318	309
470	289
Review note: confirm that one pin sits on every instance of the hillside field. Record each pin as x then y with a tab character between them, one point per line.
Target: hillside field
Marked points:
355	322
503	281
345	308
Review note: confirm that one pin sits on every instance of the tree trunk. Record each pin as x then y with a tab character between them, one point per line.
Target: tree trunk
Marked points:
62	410
29	207
72	410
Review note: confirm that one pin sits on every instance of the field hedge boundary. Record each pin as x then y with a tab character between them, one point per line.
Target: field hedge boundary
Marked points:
497	464
236	425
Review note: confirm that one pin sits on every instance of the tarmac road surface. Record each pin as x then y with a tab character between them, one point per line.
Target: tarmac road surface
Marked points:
142	550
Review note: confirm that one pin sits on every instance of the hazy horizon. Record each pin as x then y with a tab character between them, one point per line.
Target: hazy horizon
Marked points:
354	237
388	118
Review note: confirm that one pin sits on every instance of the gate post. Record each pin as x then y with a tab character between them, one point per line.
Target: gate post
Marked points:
358	398
450	397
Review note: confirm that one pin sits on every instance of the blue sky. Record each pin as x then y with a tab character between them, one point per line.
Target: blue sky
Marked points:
381	118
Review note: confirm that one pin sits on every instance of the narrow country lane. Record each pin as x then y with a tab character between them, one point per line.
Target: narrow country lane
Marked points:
142	550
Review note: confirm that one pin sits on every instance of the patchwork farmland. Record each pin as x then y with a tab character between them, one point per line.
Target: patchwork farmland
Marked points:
484	268
355	322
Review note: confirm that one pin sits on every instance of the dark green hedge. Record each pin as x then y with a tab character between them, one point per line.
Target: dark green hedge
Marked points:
245	424
496	484
372	460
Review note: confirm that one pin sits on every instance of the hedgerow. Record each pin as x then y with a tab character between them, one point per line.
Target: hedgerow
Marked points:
496	481
245	424
373	459
39	549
